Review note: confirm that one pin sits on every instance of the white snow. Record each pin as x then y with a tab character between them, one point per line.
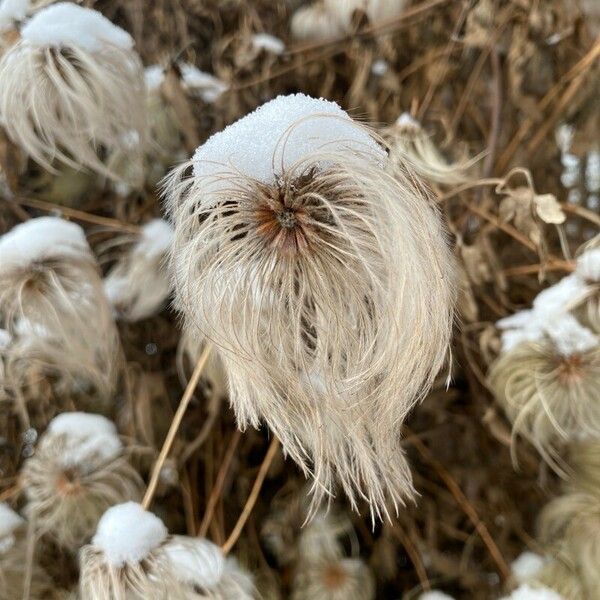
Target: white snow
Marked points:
435	595
205	85
592	171
195	561
9	520
66	24
277	135
569	336
127	533
268	42
550	317
12	11
527	592
40	239
527	565
5	338
87	436
588	265
154	76
407	121
156	239
380	67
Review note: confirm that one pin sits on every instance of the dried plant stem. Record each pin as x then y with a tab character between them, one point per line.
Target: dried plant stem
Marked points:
10	492
414	555
464	503
247	510
183	403
219	483
78	215
556	265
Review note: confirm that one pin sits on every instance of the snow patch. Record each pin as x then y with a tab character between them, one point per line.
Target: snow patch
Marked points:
435	595
40	239
127	533
67	24
268	42
527	565
527	592
277	135
11	12
588	266
156	239
202	84
9	520
87	436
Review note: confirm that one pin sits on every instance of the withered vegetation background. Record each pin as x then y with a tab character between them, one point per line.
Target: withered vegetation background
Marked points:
486	78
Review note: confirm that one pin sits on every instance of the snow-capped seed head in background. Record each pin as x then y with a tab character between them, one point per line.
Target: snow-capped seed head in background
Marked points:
53	304
333	579
326	19
79	469
71	86
296	245
588	270
138	285
410	144
548	371
124	558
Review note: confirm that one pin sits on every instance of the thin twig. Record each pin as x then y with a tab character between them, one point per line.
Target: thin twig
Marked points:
260	478
183	403
464	504
219	483
557	265
78	215
414	555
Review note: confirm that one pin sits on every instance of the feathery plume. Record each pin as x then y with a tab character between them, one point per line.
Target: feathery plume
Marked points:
13	562
331	579
570	524
72	87
324	281
138	285
410	143
79	470
52	303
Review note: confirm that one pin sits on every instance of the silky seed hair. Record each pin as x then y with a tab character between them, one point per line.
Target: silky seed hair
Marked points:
327	289
410	143
570	526
53	305
72	478
72	88
549	397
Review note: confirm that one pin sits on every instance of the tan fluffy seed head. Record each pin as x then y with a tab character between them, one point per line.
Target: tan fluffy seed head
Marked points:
328	292
547	396
66	99
53	305
69	486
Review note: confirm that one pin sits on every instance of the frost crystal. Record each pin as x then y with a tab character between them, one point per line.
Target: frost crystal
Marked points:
277	135
40	239
66	24
127	533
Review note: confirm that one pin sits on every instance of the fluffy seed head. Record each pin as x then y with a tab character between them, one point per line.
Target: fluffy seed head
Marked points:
548	396
77	472
53	306
72	85
138	284
325	283
344	579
